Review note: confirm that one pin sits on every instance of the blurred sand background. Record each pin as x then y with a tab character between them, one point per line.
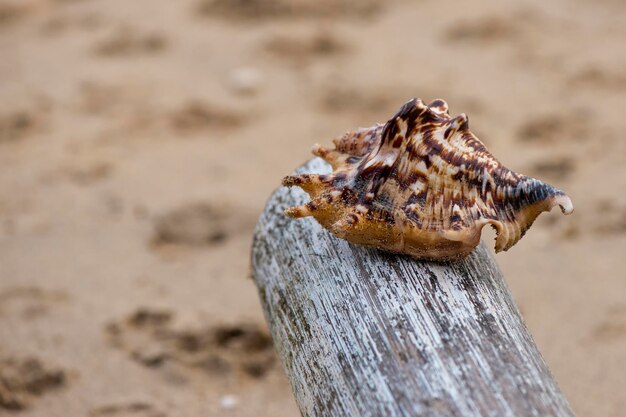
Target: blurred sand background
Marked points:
140	139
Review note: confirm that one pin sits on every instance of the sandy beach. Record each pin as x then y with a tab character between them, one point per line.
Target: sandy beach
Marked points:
139	141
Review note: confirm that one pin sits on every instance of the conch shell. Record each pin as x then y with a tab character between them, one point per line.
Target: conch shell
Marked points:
421	184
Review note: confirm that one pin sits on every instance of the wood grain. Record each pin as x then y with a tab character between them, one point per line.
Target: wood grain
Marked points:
364	333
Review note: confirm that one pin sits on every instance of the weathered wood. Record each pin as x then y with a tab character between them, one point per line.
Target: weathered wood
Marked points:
364	333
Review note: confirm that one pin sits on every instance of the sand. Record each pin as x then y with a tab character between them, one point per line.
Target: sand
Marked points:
140	139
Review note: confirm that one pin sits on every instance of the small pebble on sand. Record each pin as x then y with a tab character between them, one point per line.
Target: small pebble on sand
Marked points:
228	402
246	81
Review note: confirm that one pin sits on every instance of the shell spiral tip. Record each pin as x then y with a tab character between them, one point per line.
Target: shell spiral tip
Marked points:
565	203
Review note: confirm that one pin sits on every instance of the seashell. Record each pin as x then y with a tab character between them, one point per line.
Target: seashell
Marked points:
421	184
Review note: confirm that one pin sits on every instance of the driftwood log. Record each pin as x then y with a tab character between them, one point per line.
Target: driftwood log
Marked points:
364	333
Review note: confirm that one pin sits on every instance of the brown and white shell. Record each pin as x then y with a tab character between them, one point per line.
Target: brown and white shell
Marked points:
421	184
